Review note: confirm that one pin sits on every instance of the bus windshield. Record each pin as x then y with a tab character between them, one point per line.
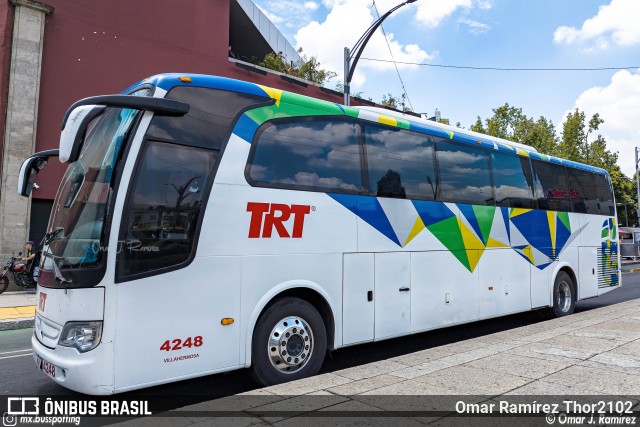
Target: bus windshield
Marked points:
75	237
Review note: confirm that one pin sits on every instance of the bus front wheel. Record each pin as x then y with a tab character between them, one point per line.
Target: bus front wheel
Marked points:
289	342
564	295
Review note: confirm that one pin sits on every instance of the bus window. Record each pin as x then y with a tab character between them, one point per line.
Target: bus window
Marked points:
209	120
464	174
399	163
512	181
164	208
551	187
317	154
582	189
606	205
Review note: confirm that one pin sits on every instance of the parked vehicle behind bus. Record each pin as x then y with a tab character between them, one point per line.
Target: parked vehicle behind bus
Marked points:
207	224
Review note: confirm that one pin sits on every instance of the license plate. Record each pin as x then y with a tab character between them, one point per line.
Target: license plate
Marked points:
48	368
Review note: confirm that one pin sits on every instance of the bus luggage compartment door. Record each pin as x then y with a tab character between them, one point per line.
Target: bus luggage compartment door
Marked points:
357	298
392	295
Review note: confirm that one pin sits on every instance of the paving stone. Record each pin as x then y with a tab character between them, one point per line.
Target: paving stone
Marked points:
551	352
522	366
370	369
572	343
465	380
602	381
365	385
632	348
617	361
545	388
308	385
423	369
420	357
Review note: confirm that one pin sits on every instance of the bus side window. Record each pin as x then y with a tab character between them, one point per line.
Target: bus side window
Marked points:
164	209
308	154
399	163
551	188
512	181
582	189
605	195
464	174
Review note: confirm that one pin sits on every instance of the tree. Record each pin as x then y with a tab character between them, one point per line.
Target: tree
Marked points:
511	123
305	68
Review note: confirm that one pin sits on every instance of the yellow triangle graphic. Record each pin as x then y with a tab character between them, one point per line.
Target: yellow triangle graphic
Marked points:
418	226
273	93
470	240
551	218
518	211
522	152
528	252
493	243
474	258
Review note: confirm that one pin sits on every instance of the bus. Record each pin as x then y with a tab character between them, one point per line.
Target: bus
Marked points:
206	224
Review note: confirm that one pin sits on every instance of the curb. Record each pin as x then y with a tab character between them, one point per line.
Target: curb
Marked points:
20	323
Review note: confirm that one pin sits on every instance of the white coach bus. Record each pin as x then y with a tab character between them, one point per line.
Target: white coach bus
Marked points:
207	224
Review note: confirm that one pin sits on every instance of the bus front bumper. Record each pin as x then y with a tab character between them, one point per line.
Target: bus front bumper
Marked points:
89	373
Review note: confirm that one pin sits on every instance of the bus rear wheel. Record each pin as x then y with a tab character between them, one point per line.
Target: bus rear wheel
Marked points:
564	296
289	342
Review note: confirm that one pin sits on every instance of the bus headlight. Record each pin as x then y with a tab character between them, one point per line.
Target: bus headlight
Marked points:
84	336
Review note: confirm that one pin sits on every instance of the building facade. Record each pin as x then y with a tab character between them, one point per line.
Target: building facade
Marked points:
58	51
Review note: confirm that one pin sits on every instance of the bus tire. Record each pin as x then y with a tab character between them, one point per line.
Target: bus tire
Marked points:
289	342
564	296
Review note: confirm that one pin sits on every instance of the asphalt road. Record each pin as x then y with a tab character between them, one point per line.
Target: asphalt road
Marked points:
19	376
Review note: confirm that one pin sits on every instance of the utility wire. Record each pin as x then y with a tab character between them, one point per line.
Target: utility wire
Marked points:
463	67
392	58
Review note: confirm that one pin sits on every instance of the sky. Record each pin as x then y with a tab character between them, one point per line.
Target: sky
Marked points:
485	33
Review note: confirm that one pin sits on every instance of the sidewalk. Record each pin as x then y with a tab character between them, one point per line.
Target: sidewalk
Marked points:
589	356
17	310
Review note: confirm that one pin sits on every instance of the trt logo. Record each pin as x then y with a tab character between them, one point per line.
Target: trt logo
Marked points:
42	301
267	216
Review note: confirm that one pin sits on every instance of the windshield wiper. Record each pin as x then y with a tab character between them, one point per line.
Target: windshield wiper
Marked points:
49	237
56	271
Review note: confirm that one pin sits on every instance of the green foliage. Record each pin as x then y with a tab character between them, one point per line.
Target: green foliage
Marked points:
574	144
305	68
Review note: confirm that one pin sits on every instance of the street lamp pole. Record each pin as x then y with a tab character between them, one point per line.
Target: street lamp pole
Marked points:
355	52
637	186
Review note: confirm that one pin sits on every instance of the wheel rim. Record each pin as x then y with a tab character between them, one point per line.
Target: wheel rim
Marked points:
290	345
564	296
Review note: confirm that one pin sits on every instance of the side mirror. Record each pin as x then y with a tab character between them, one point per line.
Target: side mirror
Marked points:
74	130
29	170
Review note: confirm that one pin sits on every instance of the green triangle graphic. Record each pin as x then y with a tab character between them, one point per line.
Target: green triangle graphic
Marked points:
448	233
564	218
484	216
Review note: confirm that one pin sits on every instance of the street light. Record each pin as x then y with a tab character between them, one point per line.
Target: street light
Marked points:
359	47
637	187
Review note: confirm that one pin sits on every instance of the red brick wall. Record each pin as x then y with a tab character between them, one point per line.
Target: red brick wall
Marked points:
103	46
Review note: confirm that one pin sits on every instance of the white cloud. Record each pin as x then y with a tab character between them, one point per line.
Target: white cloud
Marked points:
615	23
311	5
326	40
619	106
432	12
476	28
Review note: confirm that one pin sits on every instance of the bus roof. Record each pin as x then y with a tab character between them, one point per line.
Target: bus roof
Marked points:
301	105
449	128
